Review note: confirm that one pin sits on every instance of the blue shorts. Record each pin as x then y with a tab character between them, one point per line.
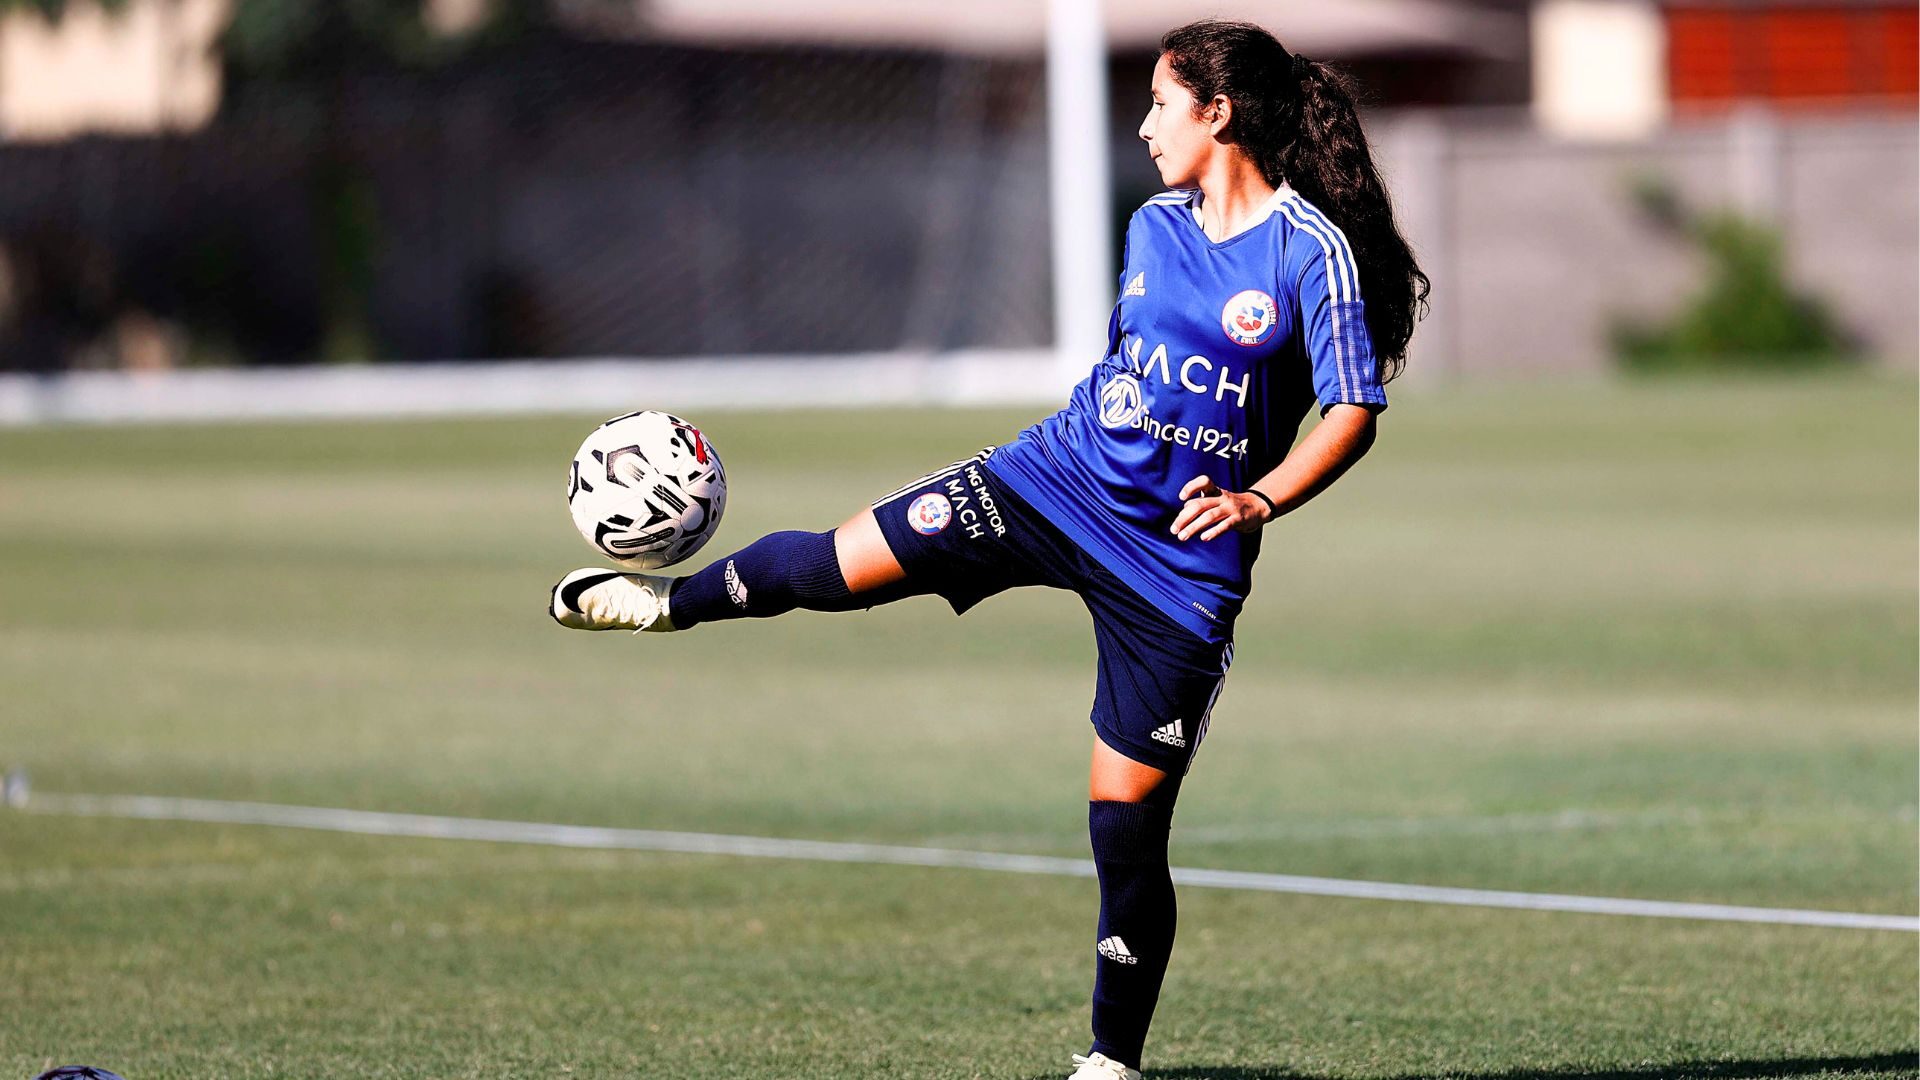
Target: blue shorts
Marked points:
962	535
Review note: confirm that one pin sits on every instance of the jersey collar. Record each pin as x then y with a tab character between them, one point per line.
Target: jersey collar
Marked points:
1280	194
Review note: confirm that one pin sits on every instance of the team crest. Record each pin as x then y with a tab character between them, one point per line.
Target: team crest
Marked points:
930	513
1120	401
1249	318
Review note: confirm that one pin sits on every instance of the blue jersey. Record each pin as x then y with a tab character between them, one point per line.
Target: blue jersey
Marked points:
1214	354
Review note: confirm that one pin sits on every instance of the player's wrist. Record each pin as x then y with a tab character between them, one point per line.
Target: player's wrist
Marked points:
1273	510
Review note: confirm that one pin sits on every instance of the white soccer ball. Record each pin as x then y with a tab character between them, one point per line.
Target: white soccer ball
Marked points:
646	489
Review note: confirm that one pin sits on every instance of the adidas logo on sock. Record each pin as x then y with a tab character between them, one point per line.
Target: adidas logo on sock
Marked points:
1138	286
1116	950
736	589
1171	735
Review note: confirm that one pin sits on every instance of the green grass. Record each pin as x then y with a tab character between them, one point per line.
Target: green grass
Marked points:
1653	640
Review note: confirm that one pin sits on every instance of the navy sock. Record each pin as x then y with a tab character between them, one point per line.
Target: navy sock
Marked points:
1136	921
771	576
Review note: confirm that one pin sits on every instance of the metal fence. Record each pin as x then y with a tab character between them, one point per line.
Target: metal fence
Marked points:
599	199
589	199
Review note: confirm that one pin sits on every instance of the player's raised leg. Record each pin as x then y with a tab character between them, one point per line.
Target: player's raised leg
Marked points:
850	567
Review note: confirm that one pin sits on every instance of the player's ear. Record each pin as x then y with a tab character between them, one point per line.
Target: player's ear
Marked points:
1219	113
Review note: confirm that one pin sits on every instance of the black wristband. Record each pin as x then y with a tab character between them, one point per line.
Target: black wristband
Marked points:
1272	510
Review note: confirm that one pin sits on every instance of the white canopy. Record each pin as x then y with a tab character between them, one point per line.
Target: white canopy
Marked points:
1331	28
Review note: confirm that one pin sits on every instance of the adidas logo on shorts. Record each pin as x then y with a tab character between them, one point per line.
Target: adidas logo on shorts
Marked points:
1116	950
1171	735
1138	286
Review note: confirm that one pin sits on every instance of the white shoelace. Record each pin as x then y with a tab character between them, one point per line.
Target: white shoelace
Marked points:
635	604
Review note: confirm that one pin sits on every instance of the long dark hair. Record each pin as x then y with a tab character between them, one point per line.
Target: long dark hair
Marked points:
1296	120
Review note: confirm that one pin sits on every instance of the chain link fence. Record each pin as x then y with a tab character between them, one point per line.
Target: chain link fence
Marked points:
573	199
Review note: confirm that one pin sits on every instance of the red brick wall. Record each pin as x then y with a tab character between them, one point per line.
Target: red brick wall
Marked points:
1792	54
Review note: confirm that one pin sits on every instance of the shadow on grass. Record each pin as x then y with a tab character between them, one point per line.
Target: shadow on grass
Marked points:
1904	1063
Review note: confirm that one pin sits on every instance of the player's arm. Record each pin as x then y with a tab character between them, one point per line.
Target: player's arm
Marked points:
1341	438
1345	379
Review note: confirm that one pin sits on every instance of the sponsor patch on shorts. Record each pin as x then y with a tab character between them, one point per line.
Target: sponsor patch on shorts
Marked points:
930	513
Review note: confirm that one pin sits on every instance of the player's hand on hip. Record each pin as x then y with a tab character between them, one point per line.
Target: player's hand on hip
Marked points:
1210	512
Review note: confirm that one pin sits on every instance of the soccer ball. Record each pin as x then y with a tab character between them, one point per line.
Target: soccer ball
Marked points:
646	489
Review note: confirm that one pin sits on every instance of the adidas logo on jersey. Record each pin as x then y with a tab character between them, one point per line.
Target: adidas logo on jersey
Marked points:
1138	286
1171	735
1116	950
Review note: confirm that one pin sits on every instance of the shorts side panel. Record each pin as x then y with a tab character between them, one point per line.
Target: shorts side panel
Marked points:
1156	681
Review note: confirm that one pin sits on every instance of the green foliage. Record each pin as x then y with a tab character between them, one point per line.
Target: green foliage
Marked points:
311	50
302	56
1746	314
298	41
55	10
303	42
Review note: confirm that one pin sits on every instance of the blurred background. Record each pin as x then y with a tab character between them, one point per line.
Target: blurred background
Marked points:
220	184
1622	604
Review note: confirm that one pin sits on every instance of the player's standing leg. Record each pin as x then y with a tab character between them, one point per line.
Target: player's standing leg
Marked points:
1129	816
1155	687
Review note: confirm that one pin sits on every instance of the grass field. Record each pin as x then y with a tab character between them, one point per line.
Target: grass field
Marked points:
1629	640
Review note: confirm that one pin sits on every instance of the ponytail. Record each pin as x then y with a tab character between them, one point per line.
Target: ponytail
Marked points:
1296	120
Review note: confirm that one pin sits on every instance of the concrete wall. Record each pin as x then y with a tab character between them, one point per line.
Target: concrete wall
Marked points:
1535	244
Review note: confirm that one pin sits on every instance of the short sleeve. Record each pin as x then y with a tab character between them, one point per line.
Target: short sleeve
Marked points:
1333	322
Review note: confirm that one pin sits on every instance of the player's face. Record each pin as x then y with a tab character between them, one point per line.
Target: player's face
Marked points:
1178	140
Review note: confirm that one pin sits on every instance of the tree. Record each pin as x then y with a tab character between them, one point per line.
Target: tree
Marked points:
315	50
54	10
308	53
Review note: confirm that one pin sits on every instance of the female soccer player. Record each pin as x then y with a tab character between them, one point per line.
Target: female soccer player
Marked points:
1240	306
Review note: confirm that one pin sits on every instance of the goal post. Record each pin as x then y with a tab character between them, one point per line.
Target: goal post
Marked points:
1079	182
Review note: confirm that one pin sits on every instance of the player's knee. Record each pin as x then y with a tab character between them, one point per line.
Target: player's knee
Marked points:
1116	777
1129	832
1161	792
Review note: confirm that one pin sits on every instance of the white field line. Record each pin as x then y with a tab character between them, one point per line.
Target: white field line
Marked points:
375	823
1496	825
513	387
1570	820
1377	828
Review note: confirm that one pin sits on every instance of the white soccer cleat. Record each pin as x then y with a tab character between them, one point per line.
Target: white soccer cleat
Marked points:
595	599
1101	1067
